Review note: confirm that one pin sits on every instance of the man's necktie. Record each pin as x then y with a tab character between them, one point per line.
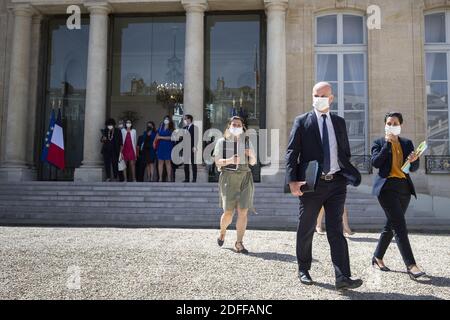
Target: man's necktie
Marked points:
326	146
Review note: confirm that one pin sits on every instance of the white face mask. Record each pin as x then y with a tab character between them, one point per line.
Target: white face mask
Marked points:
120	126
128	125
236	131
321	104
166	121
395	130
110	127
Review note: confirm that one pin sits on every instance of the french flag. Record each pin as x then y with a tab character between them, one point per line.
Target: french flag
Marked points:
55	154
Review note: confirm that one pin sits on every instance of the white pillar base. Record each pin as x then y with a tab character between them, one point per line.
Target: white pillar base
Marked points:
89	174
17	174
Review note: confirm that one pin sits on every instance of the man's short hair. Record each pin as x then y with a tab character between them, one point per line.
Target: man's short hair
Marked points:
322	84
394	114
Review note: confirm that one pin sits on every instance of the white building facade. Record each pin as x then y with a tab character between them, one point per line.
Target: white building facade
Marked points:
256	58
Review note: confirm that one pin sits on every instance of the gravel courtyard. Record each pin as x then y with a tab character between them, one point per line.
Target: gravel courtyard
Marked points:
101	263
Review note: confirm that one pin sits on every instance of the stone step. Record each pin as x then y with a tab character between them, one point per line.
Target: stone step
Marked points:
169	205
152	192
150	201
186	206
177	210
203	221
141	188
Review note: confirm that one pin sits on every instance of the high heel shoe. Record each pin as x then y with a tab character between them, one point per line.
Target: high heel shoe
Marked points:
241	249
220	241
413	275
375	262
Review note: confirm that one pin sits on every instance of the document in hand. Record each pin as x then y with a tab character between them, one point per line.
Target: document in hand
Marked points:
419	151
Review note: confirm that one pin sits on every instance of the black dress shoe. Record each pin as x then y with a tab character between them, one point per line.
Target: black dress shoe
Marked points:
415	276
348	283
305	278
184	181
375	262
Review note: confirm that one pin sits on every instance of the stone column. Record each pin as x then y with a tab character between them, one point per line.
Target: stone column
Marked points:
194	71
276	79
96	89
14	166
35	87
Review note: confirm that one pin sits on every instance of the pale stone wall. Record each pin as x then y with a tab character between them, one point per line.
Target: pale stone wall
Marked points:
395	63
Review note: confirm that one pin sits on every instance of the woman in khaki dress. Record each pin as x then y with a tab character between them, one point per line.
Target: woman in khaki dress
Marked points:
233	154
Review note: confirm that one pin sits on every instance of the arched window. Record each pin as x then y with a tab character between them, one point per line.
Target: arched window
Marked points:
437	71
341	59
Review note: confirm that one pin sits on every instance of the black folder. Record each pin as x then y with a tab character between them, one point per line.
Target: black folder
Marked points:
311	178
230	167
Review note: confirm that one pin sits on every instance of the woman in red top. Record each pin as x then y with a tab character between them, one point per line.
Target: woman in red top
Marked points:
129	148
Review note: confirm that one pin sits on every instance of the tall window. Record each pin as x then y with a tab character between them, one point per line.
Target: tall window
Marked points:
341	59
147	69
437	68
232	69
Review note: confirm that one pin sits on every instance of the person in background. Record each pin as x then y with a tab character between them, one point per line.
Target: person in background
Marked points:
129	148
140	165
193	131
111	148
347	230
394	188
120	126
148	152
165	145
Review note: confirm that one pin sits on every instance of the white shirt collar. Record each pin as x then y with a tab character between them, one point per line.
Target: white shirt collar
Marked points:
319	114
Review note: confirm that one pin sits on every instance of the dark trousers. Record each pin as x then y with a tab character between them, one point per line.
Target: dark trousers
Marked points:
194	169
110	158
330	195
394	199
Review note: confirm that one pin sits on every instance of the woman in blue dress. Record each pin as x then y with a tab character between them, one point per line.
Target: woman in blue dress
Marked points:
164	147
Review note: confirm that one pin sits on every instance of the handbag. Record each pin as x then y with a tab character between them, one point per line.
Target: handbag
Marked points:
122	164
156	144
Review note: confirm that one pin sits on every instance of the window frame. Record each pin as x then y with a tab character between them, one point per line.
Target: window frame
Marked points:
340	49
437	47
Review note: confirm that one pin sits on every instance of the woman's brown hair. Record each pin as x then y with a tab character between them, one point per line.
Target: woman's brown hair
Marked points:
227	133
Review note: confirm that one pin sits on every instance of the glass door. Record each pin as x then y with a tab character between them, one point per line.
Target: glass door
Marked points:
66	89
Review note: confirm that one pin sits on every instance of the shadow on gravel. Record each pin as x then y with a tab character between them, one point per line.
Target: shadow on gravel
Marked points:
428	279
273	256
357	295
362	239
360	295
434	281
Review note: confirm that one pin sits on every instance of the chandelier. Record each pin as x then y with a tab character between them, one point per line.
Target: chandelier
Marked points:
170	92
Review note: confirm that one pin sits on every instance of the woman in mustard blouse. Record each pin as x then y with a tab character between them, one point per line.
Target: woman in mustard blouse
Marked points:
394	188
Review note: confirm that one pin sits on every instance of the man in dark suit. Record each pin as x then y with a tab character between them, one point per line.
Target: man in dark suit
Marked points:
193	131
112	145
321	136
